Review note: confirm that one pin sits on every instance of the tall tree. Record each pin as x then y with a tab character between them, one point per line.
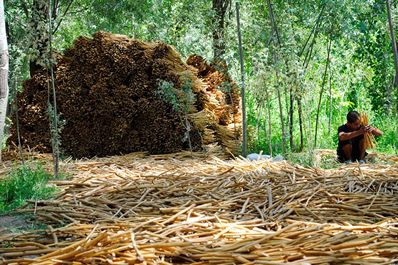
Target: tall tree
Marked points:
38	33
329	47
3	73
38	14
243	94
394	46
220	8
277	43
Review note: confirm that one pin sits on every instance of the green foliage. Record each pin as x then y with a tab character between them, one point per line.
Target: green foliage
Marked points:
168	93
24	183
305	159
389	141
180	100
361	62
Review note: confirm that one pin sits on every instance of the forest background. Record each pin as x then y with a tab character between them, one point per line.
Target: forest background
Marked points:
306	63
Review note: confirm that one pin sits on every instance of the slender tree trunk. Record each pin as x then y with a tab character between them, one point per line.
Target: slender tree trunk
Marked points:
307	58
282	122
290	100
273	22
242	72
258	119
220	8
314	30
278	41
330	105
322	89
16	108
3	74
55	134
394	48
280	111
269	122
291	109
18	130
300	116
55	15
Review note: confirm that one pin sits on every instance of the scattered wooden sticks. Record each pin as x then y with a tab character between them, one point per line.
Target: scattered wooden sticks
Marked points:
174	210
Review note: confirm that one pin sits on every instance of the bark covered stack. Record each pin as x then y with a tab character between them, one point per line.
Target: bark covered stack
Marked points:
118	95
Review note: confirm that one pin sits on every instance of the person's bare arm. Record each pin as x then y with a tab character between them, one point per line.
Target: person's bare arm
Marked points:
344	136
375	131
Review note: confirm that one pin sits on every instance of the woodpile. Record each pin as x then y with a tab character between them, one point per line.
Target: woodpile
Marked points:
220	108
117	95
168	209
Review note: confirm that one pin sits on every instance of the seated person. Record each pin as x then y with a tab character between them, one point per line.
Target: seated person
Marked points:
351	139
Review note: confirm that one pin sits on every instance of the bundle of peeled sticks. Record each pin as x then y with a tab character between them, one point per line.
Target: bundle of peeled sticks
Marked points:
369	138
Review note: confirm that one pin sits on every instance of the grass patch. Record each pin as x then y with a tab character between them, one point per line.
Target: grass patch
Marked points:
315	158
305	159
24	183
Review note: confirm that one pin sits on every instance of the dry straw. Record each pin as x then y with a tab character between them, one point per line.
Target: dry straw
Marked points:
369	138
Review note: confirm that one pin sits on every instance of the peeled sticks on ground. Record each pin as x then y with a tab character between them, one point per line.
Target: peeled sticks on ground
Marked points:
118	95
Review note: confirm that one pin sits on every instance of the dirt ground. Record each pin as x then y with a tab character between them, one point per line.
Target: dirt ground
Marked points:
11	223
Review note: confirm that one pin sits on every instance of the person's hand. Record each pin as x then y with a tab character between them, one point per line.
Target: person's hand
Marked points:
363	129
369	129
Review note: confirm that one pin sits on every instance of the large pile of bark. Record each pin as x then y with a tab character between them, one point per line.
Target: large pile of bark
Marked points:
118	95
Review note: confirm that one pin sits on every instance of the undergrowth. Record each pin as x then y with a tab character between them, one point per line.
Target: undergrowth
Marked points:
24	183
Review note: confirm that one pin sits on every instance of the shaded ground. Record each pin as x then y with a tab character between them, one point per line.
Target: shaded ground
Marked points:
11	223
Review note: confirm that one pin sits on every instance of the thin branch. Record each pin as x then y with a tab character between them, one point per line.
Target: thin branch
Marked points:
313	31
63	16
273	23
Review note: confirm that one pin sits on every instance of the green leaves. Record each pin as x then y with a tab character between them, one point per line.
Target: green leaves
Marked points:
24	183
361	66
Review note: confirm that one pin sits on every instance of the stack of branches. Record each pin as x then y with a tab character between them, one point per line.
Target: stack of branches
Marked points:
368	137
118	95
167	210
221	100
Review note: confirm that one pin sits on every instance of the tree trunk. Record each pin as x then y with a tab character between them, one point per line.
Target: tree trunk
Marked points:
313	31
242	72
308	54
330	105
300	116
282	121
260	106
291	109
3	74
220	8
39	35
55	137
269	122
290	101
395	51
322	89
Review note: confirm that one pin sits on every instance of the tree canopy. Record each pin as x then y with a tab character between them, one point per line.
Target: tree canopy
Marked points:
306	62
